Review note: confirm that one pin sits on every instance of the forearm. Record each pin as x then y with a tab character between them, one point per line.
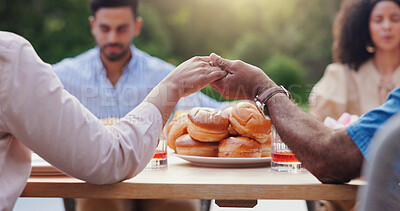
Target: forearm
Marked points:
164	96
330	155
85	149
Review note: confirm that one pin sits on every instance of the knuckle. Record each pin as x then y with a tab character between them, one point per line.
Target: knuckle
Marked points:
237	63
203	64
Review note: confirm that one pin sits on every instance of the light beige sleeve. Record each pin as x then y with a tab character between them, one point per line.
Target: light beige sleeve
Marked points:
42	115
329	95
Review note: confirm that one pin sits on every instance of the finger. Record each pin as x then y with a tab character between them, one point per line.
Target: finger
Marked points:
203	58
220	62
216	75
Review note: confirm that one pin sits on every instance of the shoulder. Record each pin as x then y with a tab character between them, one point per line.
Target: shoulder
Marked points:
329	96
11	40
335	74
14	48
337	69
76	63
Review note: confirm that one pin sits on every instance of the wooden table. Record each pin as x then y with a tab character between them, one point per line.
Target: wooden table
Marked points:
186	181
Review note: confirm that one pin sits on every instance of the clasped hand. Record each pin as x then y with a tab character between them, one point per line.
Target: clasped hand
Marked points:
243	81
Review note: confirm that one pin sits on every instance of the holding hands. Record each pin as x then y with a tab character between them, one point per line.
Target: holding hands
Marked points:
188	78
243	81
193	75
232	79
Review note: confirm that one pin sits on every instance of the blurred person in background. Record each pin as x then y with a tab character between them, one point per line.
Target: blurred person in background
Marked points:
115	77
37	114
367	53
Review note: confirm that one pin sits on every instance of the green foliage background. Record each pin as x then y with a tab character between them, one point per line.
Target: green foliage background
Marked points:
290	40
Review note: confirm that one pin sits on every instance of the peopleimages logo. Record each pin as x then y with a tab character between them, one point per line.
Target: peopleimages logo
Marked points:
131	96
128	96
135	119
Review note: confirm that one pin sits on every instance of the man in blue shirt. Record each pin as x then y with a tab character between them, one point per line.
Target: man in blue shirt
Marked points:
114	77
333	156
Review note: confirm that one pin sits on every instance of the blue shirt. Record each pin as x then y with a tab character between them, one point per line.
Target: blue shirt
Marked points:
86	78
364	129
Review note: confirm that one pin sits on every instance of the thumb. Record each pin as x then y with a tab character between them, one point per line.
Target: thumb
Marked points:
220	62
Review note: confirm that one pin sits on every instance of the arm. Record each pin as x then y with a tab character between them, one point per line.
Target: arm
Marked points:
329	155
42	115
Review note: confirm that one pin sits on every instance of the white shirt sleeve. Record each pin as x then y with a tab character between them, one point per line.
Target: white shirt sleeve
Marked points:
36	109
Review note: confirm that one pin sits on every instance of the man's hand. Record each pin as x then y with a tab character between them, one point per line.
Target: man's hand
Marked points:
192	75
243	81
188	78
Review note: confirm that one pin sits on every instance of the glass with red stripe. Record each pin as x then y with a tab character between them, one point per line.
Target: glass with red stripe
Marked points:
283	159
159	160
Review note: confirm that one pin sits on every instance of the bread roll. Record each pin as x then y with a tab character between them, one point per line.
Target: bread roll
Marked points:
228	110
185	145
247	120
239	147
207	124
176	128
231	130
266	147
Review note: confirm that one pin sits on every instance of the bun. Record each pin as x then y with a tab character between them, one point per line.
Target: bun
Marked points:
239	147
207	124
176	128
247	120
231	130
227	110
200	131
185	145
266	147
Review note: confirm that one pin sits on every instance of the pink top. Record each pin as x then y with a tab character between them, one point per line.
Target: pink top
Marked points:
37	114
342	89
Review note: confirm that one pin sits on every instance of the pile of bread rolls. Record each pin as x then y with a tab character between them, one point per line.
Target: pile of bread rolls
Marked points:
239	131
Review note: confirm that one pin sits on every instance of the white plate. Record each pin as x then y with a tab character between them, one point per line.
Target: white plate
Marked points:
225	162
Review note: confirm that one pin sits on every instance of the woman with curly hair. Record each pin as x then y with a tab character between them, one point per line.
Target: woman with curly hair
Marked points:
366	51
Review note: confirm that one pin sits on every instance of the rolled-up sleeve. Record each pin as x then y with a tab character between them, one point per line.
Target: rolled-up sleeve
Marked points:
42	115
363	130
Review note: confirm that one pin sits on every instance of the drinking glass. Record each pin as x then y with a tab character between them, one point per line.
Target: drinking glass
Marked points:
159	161
283	159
